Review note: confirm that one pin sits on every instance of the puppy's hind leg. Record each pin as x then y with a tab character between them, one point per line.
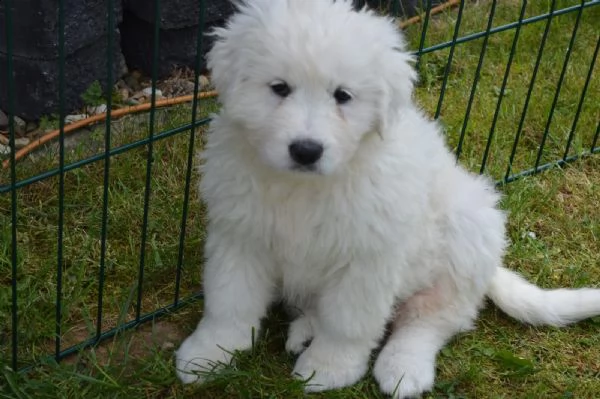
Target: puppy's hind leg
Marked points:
471	249
405	366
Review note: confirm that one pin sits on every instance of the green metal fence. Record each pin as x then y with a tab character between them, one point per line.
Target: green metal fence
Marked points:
440	62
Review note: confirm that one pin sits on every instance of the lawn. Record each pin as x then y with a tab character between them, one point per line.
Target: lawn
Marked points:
554	228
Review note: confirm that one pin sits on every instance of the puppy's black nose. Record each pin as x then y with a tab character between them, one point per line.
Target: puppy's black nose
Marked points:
305	152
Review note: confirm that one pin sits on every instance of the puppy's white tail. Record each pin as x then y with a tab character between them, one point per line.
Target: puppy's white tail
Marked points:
531	304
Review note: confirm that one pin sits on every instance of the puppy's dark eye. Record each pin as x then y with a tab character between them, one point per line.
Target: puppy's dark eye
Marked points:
342	96
281	88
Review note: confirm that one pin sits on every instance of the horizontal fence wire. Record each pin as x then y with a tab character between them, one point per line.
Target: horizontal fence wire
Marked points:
113	332
99	157
192	126
505	27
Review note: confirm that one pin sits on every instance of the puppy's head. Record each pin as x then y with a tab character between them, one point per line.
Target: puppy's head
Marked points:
307	80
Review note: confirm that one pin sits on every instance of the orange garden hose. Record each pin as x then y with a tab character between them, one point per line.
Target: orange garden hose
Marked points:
435	10
170	101
100	117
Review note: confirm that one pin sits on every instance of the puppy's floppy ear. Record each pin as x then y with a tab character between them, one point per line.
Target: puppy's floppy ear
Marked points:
398	78
222	61
226	58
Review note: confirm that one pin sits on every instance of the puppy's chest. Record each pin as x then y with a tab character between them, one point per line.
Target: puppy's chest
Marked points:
319	231
300	233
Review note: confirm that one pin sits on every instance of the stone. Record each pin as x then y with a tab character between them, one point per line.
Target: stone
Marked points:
176	87
204	82
31	126
133	82
137	75
20	126
177	47
98	109
139	95
124	93
3	120
176	14
35	26
21	142
167	346
4	149
74	118
147	92
36	82
530	234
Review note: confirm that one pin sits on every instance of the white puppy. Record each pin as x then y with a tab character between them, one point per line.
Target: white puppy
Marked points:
327	188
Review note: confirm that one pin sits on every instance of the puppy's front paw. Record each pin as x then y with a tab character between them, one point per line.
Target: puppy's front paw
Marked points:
205	351
299	333
402	375
330	367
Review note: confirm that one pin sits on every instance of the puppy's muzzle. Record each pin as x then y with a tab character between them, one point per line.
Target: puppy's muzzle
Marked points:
305	152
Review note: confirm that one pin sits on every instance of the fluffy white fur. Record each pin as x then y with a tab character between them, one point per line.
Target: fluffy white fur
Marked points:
383	230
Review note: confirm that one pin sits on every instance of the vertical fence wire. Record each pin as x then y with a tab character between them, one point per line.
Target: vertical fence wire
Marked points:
558	88
423	32
191	151
395	8
150	160
484	45
513	51
530	91
593	148
581	101
61	176
438	110
13	190
110	4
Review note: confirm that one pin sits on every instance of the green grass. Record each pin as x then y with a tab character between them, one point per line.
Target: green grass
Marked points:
501	359
463	69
